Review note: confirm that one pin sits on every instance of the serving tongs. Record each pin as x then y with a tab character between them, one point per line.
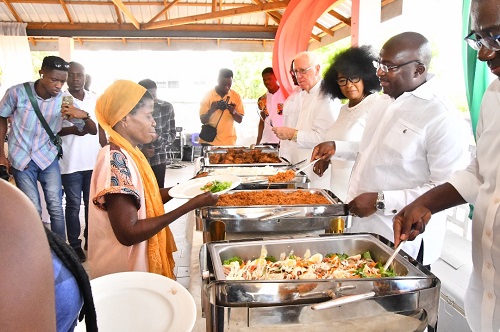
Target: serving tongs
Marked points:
306	166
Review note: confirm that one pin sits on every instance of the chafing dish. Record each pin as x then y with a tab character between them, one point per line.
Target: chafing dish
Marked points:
223	222
252	181
408	302
208	152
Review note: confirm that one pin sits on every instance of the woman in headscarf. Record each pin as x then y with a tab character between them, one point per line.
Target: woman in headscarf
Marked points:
351	77
128	226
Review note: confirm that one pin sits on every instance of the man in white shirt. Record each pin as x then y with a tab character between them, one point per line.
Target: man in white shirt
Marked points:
479	184
407	148
81	146
307	116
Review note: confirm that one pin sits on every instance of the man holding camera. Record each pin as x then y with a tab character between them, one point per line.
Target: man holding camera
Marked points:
219	109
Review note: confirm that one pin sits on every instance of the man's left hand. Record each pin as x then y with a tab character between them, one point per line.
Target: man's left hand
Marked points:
363	205
284	133
71	112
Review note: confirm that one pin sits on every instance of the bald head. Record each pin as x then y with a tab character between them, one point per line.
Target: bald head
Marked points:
76	78
412	45
307	70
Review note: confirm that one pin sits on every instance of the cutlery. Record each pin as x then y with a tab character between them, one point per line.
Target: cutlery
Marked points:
296	164
306	166
389	261
260	116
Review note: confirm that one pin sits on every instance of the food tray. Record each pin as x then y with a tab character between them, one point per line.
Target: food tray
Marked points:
273	218
208	153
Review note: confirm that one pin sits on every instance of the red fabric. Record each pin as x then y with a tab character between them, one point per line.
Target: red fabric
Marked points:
293	36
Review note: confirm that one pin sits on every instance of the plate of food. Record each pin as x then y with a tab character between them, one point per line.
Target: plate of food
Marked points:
217	184
141	301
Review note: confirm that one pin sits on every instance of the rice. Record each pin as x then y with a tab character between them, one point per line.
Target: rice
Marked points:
238	171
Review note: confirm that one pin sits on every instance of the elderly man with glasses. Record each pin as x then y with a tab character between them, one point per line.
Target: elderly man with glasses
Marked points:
479	184
407	148
33	155
308	114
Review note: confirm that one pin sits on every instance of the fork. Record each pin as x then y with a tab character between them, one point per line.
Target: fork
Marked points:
270	121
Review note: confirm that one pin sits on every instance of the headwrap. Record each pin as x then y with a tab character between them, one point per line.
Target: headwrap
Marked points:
112	106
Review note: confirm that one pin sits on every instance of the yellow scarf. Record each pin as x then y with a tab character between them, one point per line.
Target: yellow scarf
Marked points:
112	106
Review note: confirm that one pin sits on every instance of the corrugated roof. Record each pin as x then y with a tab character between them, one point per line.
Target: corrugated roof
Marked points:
162	21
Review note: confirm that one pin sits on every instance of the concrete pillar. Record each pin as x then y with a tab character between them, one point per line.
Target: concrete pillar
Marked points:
66	48
365	22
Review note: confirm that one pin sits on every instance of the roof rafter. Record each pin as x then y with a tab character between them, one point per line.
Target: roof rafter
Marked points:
218	15
163	11
12	10
66	11
127	13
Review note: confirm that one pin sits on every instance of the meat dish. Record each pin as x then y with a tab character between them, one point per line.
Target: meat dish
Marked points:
240	156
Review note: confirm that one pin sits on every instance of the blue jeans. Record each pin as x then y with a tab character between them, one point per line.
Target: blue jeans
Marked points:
74	185
50	179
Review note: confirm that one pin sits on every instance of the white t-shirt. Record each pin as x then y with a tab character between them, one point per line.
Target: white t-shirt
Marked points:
274	105
80	152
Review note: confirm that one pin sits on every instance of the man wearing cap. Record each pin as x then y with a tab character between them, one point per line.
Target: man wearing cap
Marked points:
33	157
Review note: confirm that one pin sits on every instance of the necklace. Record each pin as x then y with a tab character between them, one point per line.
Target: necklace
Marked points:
363	98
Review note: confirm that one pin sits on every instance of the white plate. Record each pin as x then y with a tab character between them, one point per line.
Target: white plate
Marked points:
192	187
141	301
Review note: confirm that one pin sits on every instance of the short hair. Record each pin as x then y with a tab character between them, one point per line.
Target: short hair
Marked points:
268	70
76	64
312	57
148	84
225	73
352	62
53	62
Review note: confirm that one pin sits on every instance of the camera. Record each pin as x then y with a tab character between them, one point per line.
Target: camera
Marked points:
222	105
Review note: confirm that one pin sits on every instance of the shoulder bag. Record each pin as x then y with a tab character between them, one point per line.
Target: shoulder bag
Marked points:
208	133
56	139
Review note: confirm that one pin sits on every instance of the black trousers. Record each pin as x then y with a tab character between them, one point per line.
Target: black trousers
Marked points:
159	171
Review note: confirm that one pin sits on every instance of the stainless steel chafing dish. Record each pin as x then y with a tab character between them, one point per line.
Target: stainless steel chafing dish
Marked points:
267	149
253	182
223	222
408	302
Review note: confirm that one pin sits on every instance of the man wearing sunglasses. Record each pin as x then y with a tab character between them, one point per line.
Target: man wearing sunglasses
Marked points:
32	155
479	184
407	148
307	116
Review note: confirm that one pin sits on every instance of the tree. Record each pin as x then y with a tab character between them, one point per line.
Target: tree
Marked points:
247	80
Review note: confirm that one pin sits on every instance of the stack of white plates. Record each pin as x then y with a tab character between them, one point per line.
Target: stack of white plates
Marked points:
141	301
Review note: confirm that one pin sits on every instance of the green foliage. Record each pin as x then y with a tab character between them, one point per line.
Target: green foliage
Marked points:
37	59
247	80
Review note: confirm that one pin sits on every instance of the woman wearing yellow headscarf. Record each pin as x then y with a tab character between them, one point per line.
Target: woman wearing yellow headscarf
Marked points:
128	226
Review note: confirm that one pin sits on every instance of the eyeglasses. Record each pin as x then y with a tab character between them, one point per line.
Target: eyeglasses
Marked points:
343	81
301	71
491	43
386	68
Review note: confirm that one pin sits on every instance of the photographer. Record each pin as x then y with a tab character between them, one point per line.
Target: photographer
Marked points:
218	111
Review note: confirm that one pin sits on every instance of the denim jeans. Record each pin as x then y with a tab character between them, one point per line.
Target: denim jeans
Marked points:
50	179
74	185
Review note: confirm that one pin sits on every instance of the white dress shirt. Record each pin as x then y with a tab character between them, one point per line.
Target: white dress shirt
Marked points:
350	126
414	144
479	184
312	114
80	152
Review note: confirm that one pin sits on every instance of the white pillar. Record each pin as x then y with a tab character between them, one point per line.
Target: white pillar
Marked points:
66	48
365	22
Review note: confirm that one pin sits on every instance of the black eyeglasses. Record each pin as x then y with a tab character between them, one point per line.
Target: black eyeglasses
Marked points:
491	42
386	68
343	81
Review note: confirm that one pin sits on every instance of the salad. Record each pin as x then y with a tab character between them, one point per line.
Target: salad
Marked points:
216	186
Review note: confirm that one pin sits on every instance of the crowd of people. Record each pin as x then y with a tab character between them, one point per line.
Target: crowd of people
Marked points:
395	152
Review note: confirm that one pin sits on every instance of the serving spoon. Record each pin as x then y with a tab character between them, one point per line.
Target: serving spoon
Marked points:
394	254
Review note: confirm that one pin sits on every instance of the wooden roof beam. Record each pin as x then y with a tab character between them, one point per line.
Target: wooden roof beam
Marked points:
127	13
129	3
66	11
118	14
324	29
12	10
163	11
339	17
218	15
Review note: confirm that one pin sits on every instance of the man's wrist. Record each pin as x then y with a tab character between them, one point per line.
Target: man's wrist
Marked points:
294	136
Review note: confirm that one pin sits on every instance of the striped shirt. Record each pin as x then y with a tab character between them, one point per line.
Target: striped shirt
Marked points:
28	140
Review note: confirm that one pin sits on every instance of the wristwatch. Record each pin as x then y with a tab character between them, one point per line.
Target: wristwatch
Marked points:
380	203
